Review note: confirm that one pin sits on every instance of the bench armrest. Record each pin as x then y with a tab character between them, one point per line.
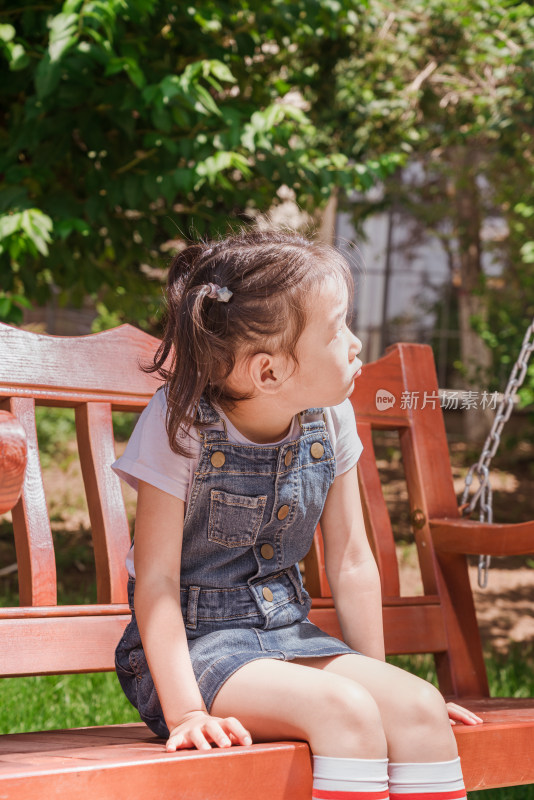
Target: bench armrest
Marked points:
13	452
477	538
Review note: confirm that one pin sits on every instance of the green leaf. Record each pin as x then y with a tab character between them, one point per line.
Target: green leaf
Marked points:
47	77
19	59
9	223
221	71
7	33
170	87
63	35
207	103
21	300
134	72
527	252
130	66
65	227
72	6
37	226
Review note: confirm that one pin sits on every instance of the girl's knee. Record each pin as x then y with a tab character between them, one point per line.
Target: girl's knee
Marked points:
349	701
345	712
426	707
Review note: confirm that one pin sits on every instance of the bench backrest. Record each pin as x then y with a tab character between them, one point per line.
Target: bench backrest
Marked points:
99	374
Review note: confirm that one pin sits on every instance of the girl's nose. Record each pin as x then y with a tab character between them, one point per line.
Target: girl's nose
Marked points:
356	345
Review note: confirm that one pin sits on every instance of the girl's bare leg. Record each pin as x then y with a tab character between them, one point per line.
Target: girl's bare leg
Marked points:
346	706
413	712
284	700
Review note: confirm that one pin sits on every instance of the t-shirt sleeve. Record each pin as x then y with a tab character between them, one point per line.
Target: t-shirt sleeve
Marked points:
148	456
344	435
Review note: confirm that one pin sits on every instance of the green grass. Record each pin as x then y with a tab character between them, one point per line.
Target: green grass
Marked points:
64	701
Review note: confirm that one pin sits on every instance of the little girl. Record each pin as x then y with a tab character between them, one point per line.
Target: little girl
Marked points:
247	445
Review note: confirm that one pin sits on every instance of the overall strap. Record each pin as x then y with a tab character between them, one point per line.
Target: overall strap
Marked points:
207	414
312	419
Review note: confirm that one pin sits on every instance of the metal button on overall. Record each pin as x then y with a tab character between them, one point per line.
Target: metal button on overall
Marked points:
283	511
317	450
268	595
218	459
288	458
267	551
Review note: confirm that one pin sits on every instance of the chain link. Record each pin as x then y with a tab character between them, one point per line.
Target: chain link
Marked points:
483	495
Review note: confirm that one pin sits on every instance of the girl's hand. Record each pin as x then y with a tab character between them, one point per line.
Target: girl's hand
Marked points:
198	729
460	714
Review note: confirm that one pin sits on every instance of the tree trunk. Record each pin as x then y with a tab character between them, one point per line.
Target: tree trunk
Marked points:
475	355
326	231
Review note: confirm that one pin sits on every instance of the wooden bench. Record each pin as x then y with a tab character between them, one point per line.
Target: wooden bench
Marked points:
99	374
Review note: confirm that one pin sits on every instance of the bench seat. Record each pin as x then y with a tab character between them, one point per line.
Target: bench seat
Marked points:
40	636
125	761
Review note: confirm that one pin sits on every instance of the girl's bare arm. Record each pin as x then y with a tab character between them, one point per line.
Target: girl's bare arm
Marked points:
353	576
351	568
158	544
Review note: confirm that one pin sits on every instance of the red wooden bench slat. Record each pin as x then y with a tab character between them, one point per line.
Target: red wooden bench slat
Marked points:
58	645
135	771
12	461
377	522
417	628
48	612
461	670
475	538
99	366
75	643
31	525
109	524
501	754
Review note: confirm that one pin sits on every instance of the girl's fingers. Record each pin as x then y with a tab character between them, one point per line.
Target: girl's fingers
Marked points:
199	734
461	714
216	733
174	742
233	726
198	739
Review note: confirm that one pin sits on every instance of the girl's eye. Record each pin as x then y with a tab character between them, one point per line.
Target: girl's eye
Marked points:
339	332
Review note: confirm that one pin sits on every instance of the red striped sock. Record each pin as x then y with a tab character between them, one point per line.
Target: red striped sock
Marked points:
436	781
350	778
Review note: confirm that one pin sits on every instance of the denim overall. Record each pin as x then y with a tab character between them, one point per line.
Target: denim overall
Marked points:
250	519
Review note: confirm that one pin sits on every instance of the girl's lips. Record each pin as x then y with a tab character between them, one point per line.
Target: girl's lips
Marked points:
357	374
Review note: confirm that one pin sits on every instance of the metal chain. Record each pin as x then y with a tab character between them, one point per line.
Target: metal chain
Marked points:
483	495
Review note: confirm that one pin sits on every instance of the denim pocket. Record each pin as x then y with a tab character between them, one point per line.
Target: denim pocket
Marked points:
234	518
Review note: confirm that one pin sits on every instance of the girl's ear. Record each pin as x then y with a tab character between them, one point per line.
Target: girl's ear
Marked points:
267	372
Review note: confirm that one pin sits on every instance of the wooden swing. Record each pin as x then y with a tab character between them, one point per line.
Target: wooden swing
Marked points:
99	374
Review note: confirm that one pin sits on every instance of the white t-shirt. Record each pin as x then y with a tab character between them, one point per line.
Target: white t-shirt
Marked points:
148	456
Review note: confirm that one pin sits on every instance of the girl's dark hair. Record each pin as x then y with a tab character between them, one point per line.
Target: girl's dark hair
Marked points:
272	275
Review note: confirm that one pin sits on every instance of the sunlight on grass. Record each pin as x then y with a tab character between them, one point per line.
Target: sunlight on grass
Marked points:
62	701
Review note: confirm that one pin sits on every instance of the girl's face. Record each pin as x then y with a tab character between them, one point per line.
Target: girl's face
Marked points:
327	352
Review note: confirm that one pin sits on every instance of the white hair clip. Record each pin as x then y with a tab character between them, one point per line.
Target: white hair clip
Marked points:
223	294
